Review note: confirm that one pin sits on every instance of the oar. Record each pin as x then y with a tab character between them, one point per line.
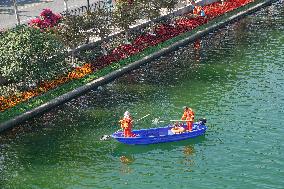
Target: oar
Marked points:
142	117
156	121
106	137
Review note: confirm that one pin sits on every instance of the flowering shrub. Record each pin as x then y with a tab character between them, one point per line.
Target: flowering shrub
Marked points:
8	102
47	19
163	32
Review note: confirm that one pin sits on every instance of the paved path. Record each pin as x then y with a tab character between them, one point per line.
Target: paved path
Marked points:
31	8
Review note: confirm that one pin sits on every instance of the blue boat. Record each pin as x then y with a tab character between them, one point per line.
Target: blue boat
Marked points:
159	135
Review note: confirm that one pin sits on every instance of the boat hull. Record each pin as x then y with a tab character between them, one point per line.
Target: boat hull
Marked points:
158	135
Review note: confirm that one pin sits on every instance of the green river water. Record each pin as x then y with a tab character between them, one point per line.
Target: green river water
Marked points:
235	80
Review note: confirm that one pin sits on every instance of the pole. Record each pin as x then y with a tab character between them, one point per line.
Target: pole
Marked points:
178	120
88	4
66	5
16	12
142	117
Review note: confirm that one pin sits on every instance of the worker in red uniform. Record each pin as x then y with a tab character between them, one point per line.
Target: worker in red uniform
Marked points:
188	115
126	124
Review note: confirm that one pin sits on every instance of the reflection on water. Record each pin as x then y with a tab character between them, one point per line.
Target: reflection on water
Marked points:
188	150
126	159
197	50
233	77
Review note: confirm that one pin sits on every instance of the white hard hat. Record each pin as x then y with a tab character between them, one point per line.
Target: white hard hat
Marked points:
126	113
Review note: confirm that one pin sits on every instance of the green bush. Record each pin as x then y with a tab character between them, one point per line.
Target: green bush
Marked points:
30	56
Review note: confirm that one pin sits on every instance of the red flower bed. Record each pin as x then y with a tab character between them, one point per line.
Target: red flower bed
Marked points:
46	20
165	31
162	33
216	9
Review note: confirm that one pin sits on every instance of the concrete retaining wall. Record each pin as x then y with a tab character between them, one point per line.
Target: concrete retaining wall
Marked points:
111	76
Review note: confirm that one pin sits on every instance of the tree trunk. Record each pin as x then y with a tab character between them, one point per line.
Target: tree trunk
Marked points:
152	28
103	47
73	58
126	41
3	81
16	12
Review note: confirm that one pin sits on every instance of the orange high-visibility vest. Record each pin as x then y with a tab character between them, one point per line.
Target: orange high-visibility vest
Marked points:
126	123
197	10
188	115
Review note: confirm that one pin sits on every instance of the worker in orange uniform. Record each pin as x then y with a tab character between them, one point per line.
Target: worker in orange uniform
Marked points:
197	10
188	115
126	124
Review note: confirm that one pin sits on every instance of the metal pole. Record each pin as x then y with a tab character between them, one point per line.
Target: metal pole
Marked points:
66	5
16	12
88	4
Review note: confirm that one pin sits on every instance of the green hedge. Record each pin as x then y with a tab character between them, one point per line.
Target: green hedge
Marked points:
28	55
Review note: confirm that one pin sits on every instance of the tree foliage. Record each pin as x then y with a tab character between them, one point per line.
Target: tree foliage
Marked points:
99	23
168	4
151	8
29	55
71	32
125	14
102	22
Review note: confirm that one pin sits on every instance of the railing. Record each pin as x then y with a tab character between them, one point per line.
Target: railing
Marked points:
92	7
103	4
